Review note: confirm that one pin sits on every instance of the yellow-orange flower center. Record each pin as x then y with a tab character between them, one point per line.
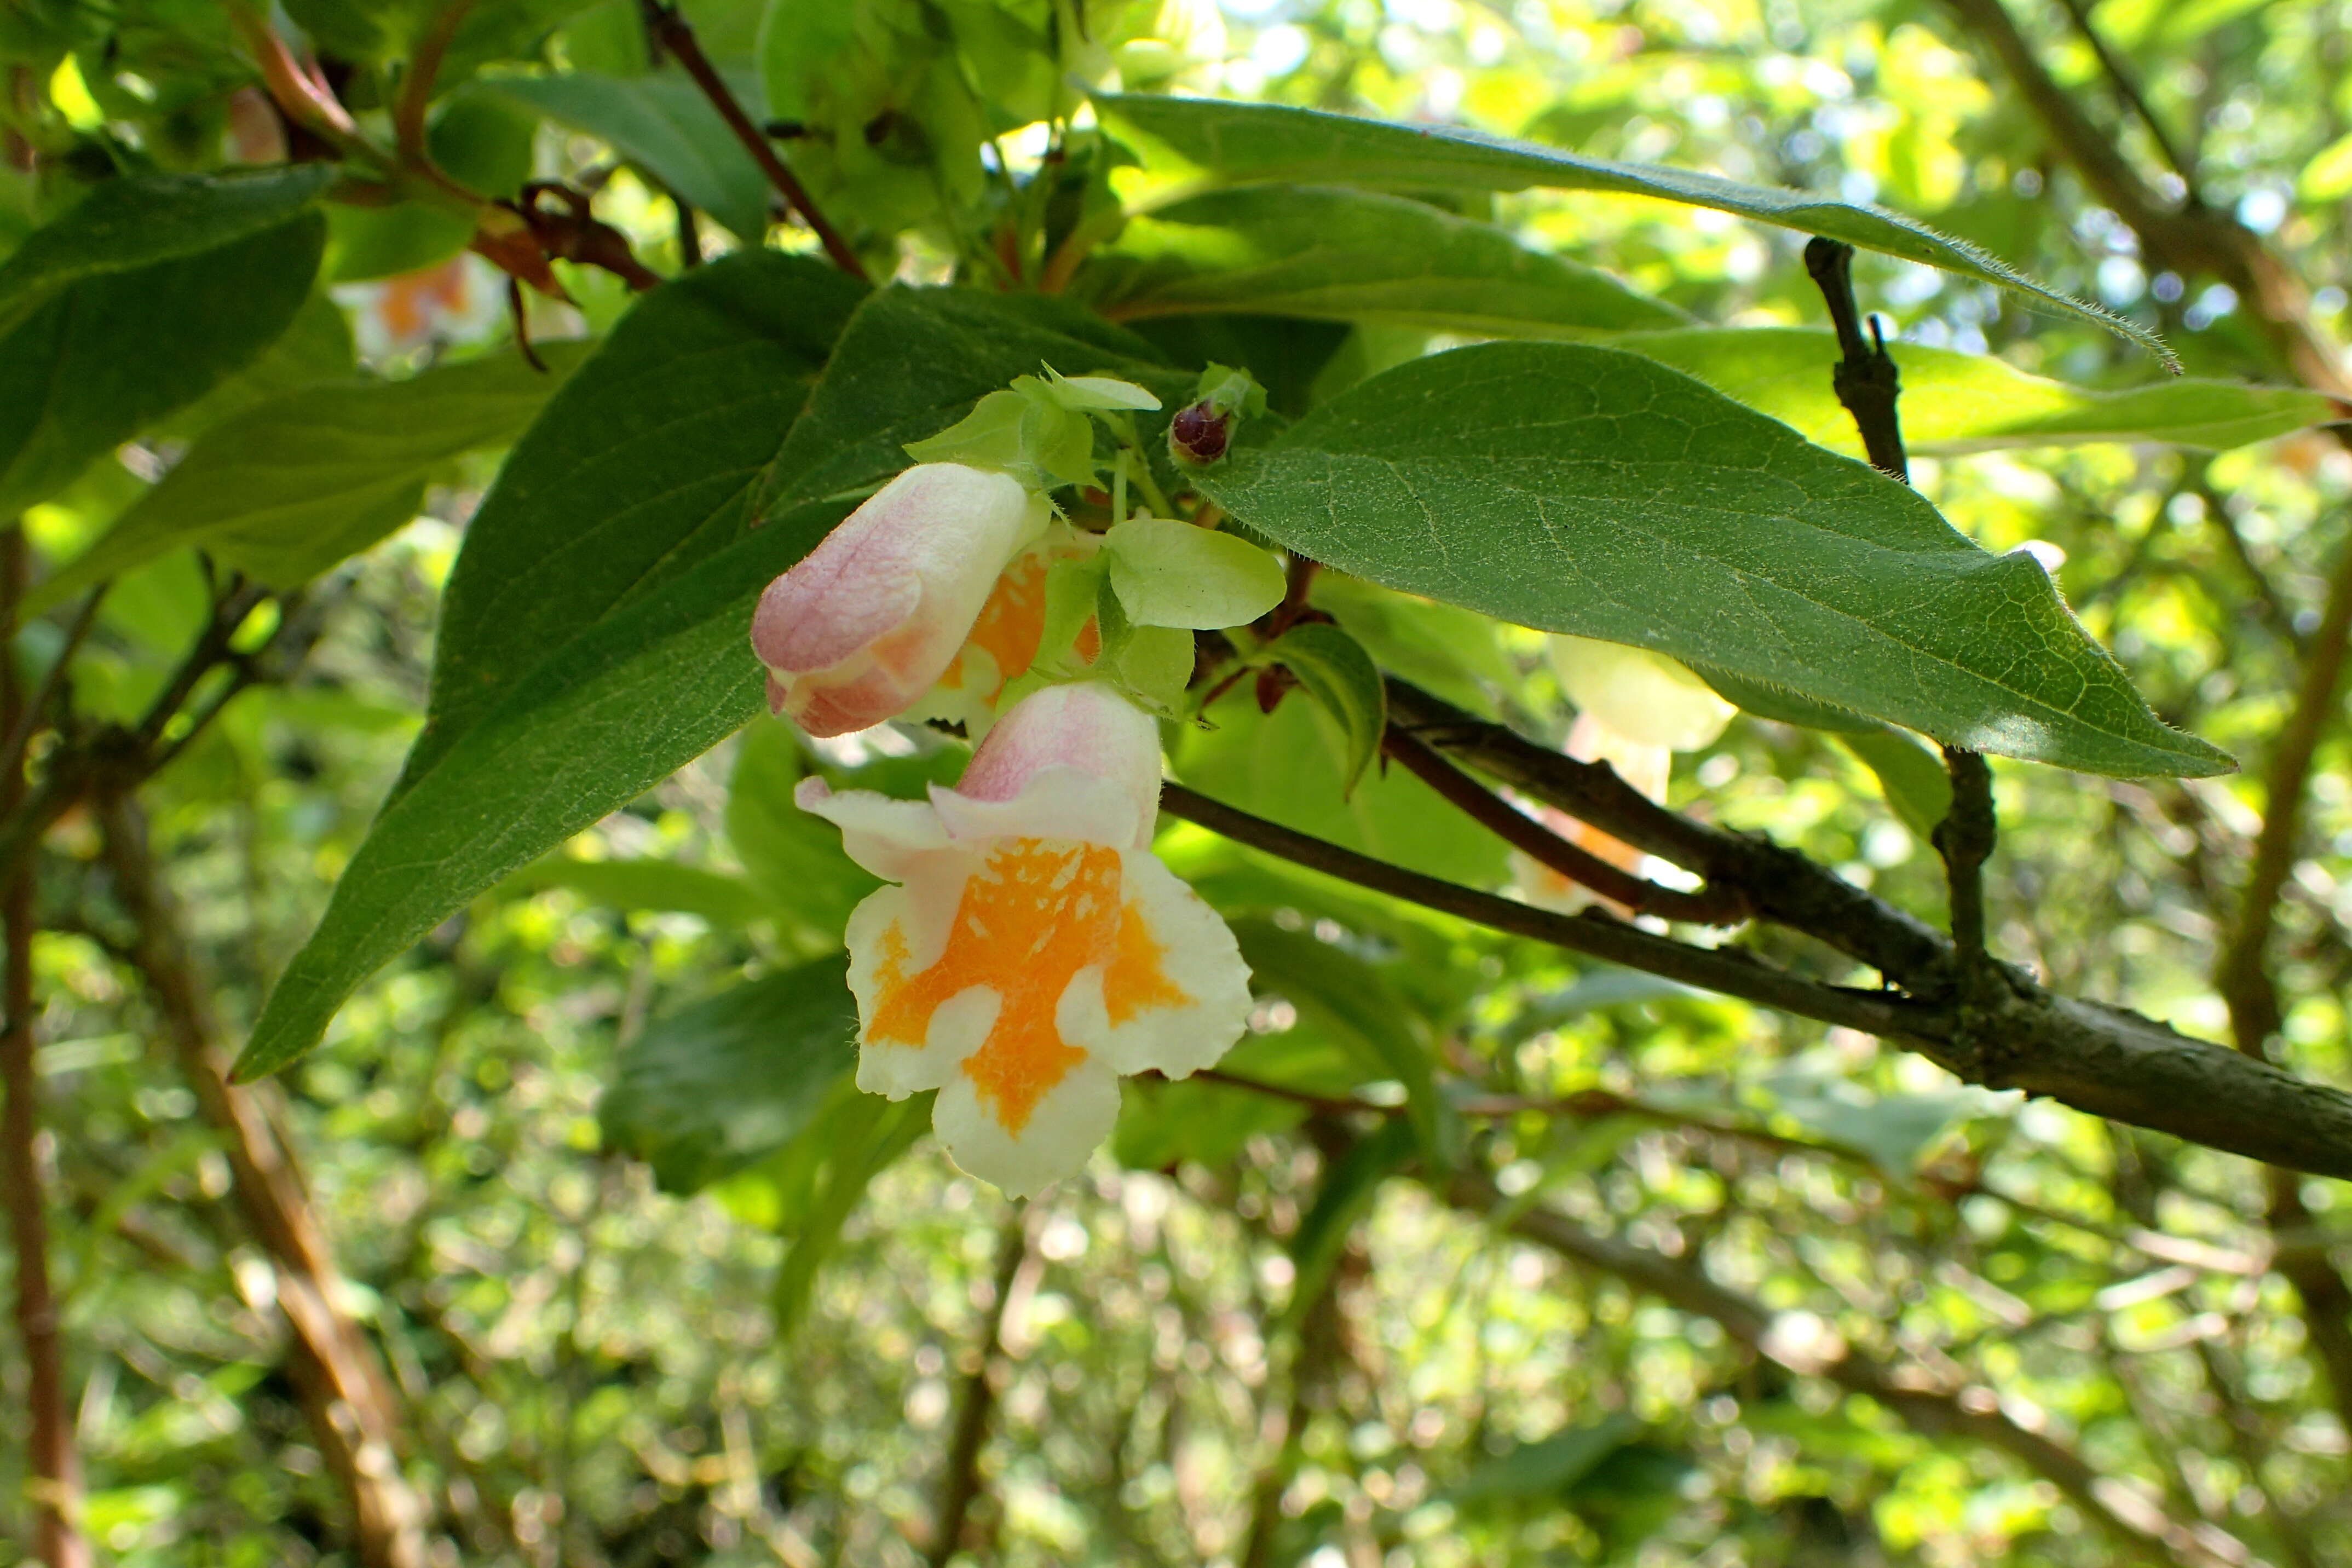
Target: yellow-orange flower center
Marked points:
1035	913
1012	624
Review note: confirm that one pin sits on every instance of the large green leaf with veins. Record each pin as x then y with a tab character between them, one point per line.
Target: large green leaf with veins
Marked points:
289	486
1584	489
1353	255
1189	146
593	634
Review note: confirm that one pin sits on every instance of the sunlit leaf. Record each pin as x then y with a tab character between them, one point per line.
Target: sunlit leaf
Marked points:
1191	145
1589	490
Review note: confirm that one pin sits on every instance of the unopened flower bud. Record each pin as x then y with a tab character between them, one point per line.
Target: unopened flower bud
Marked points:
1199	434
863	626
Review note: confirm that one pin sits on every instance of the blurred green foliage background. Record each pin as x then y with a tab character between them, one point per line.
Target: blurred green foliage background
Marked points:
652	1325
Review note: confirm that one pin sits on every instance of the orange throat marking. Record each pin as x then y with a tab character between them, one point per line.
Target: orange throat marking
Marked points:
1011	625
1029	920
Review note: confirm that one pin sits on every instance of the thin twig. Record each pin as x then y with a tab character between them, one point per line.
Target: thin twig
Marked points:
1712	905
1784	886
28	722
1865	379
677	35
1728	971
2128	87
1965	839
417	87
959	1486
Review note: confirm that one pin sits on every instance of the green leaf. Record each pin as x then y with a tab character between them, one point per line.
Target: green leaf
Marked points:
725	903
316	346
664	126
1189	146
1779	704
1345	1198
1344	681
913	361
110	350
1348	998
795	860
130	225
1170	573
593	633
1584	489
1452	651
612	713
293	485
717	1087
1290	766
822	1177
1955	402
1353	255
1542	1470
634	472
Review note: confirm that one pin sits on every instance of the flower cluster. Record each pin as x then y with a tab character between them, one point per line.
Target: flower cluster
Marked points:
1031	949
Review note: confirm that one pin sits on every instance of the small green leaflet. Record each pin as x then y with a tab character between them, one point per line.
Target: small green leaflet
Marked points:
1335	671
1189	146
1353	255
291	486
913	361
1168	572
1584	489
1955	402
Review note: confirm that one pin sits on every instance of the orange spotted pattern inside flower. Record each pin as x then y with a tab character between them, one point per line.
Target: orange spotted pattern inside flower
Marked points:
1011	623
1033	916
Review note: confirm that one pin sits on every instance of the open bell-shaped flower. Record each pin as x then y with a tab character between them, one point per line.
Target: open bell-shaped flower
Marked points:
1032	948
863	626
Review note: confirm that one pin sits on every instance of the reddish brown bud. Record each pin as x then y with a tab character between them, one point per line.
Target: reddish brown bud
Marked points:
1199	434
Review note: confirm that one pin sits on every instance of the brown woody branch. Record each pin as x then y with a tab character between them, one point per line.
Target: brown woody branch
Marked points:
1712	905
53	1482
960	1483
354	1413
2102	1061
1728	971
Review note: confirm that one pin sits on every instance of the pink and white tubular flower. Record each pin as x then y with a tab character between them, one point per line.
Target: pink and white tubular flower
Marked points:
1034	949
864	625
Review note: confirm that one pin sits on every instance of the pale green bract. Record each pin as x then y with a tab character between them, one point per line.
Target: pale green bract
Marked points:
1171	573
